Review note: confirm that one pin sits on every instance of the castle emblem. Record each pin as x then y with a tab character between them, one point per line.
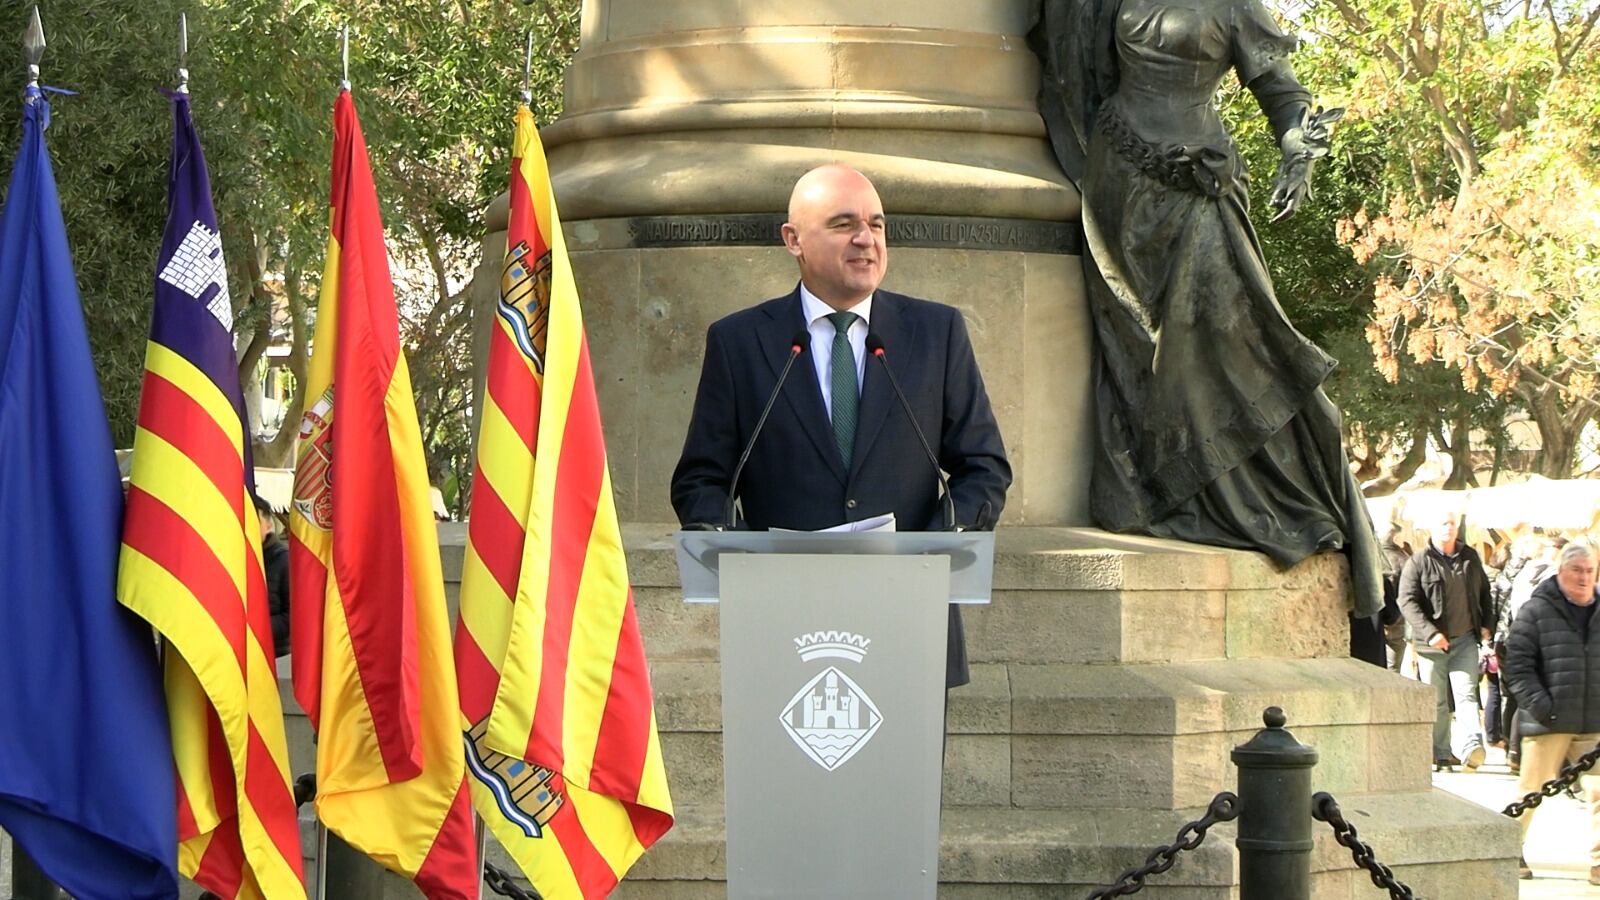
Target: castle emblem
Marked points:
528	796
831	718
525	299
313	477
197	267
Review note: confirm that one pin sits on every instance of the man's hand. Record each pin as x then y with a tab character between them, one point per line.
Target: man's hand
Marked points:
1439	642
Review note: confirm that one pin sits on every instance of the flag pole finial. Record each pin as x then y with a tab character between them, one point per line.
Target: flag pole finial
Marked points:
344	83
527	70
183	53
33	47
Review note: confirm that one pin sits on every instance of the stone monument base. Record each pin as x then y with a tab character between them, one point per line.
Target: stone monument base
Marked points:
1111	677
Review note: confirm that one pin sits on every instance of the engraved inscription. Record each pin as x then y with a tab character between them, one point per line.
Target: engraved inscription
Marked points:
763	230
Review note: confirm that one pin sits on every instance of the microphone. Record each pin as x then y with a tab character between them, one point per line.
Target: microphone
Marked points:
797	346
875	347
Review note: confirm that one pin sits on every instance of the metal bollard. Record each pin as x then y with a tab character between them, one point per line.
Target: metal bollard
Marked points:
1275	819
28	882
347	872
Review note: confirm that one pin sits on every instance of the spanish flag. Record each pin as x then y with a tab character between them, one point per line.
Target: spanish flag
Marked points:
191	562
371	637
555	693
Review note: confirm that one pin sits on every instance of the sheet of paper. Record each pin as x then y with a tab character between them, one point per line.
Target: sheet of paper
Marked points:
876	523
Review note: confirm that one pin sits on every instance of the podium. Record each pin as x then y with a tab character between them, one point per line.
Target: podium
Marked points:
833	671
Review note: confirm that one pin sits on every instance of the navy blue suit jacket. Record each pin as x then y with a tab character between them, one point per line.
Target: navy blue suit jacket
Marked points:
795	477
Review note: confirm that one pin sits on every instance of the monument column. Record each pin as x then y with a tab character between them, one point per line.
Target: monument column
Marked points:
686	125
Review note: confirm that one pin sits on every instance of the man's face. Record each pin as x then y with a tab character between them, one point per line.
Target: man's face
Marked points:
1444	531
1576	579
836	234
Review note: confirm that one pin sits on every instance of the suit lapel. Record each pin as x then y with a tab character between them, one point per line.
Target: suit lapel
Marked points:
801	391
877	397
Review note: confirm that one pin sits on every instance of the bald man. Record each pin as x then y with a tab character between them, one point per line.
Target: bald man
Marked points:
838	447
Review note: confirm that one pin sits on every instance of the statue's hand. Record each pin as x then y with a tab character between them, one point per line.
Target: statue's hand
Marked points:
1302	145
1291	188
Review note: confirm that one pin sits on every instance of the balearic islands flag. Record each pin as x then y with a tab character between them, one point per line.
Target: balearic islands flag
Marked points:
371	638
85	762
191	561
555	694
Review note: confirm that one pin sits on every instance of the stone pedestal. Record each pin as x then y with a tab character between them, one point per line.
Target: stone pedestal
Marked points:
1111	678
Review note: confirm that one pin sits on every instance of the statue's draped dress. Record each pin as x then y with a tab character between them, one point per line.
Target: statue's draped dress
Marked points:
1213	426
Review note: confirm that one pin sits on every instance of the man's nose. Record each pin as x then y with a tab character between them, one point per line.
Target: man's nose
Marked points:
862	236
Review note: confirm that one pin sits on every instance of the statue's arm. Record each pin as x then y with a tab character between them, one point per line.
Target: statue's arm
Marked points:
1304	134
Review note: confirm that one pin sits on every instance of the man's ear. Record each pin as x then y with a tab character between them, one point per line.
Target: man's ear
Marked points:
791	239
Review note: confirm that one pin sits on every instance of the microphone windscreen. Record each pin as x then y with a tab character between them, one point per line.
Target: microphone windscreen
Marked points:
874	343
800	341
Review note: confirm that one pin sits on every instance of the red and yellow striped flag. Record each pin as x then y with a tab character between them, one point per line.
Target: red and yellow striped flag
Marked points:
555	693
371	635
191	563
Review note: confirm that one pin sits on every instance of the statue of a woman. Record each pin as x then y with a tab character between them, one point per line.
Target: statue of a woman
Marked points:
1213	424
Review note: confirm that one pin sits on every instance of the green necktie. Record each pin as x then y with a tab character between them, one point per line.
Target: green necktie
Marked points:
846	393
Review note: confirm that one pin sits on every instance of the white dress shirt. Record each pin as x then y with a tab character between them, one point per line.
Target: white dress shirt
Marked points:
822	332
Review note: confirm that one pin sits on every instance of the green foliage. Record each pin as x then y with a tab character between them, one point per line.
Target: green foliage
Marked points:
436	84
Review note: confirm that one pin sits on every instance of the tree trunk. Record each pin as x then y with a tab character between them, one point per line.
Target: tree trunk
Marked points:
1559	431
1393	475
1460	457
279	452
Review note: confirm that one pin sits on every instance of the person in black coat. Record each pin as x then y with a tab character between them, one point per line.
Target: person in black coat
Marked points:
1553	669
275	557
1444	596
838	447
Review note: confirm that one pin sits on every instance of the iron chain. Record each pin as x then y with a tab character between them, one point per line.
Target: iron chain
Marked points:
1326	809
1556	785
501	883
1224	808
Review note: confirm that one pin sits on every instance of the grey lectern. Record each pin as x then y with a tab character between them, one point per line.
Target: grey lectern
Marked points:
833	659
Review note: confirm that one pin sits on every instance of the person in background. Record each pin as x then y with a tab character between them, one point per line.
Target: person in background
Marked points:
275	557
1395	558
1540	565
1553	668
1444	595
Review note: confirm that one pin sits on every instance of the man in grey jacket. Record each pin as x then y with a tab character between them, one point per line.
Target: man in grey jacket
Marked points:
1553	669
1445	598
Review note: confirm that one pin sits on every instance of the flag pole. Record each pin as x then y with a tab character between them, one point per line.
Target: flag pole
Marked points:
344	83
183	53
527	71
33	51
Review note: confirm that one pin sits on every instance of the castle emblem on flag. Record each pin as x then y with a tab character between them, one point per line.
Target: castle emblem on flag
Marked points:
195	266
313	471
527	795
831	718
525	300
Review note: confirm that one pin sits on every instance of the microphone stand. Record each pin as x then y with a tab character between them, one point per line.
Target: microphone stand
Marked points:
875	347
797	346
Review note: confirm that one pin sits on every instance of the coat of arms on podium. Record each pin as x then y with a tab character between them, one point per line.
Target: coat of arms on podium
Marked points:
831	718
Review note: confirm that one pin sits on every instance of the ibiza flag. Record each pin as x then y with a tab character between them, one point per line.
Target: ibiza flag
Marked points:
85	762
371	636
555	694
191	561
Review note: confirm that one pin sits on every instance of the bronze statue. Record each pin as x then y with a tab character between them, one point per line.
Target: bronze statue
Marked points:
1213	424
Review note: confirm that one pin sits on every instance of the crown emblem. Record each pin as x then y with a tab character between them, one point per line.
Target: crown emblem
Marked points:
835	644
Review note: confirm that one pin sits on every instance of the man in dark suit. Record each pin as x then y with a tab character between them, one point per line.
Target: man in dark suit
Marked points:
837	447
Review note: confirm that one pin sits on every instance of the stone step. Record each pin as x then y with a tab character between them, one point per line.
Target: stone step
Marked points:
1441	845
1115	736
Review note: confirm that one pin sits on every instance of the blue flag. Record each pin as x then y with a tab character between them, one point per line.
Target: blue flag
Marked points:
86	780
